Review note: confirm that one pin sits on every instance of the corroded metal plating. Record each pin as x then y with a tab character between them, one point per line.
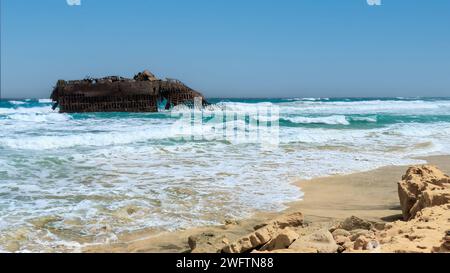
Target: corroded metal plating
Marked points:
143	93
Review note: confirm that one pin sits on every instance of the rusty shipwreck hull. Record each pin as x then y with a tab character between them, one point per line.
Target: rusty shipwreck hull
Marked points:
116	94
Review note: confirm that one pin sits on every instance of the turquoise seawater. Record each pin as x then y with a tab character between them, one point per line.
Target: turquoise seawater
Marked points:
68	180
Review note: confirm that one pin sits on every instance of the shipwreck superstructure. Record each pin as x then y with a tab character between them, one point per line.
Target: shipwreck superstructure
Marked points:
143	93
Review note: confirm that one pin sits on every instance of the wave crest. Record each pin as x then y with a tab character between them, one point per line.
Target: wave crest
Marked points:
330	120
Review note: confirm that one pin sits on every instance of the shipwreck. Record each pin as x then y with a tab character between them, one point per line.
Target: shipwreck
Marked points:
143	93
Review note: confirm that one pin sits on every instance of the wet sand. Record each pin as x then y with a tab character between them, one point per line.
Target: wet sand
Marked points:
370	195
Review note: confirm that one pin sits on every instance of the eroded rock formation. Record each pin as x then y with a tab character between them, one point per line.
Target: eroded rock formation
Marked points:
424	198
422	187
264	234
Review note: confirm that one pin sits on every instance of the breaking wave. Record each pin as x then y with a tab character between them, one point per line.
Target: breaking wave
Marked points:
84	172
330	120
366	119
14	102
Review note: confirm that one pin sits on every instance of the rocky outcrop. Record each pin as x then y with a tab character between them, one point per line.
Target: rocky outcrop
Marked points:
446	243
425	233
321	241
422	187
353	223
355	235
283	240
424	193
424	198
267	233
207	242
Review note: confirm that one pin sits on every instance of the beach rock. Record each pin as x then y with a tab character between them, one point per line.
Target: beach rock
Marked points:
361	232
424	194
446	244
342	240
359	243
341	249
294	219
353	223
365	243
231	223
340	232
364	240
264	234
379	226
286	250
251	241
425	199
321	241
430	198
282	241
207	243
289	220
425	233
421	187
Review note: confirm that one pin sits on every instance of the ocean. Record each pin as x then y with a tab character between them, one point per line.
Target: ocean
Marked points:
71	180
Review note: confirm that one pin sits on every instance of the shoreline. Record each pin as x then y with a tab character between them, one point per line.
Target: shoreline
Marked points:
371	195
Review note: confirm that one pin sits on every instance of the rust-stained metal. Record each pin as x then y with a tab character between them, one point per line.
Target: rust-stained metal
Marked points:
143	93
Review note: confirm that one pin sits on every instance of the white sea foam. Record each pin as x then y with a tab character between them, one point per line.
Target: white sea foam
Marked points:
32	115
85	172
82	139
309	99
24	110
330	120
368	107
17	102
36	118
366	119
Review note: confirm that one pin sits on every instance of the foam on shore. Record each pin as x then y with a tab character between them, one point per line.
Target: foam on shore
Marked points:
100	174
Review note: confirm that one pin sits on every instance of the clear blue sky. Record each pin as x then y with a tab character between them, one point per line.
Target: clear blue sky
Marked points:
232	48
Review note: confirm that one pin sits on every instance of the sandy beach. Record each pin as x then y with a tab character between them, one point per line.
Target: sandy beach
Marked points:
369	195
